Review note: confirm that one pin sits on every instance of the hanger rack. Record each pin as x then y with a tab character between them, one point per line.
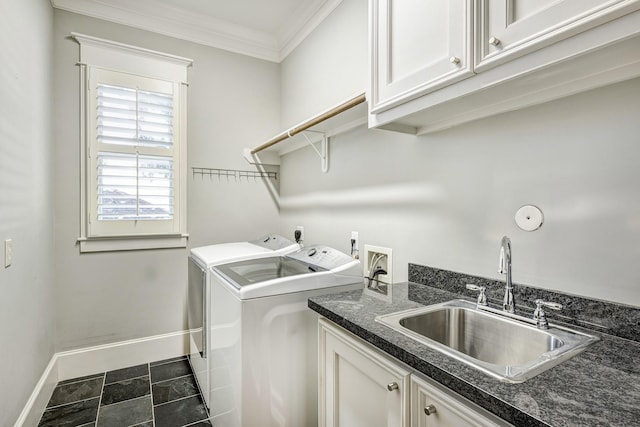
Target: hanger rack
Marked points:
311	122
232	173
323	129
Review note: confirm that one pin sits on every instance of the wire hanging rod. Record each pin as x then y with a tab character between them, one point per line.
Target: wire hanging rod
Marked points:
232	173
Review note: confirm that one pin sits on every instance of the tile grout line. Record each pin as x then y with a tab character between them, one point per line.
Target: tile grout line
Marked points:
139	424
79	380
167	362
174	378
104	380
70	403
177	400
153	412
196	422
129	379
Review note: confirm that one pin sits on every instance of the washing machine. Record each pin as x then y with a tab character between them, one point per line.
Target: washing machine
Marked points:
199	303
264	336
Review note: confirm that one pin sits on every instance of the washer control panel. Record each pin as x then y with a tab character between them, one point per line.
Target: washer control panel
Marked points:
322	256
273	242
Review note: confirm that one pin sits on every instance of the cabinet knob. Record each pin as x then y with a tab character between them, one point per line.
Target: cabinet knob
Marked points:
429	409
494	41
454	60
392	386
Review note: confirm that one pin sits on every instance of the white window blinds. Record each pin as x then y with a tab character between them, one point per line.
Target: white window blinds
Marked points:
134	186
134	179
129	116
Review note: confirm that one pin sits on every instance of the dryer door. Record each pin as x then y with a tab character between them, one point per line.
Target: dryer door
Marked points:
197	321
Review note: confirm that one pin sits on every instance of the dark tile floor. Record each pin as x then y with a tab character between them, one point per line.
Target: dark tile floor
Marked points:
160	394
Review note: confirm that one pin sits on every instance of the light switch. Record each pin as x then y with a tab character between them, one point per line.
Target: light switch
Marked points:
8	252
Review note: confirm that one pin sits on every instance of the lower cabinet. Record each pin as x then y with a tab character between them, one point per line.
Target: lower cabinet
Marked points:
359	387
434	406
362	387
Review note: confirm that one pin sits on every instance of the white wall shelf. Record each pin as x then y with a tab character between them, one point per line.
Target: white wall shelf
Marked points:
314	131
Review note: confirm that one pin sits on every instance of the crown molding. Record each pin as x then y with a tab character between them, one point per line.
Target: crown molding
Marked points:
306	20
162	19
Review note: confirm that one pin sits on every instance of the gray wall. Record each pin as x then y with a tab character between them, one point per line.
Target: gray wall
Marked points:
446	199
27	303
233	103
328	67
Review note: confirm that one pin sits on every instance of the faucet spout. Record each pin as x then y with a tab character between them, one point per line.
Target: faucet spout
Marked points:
508	304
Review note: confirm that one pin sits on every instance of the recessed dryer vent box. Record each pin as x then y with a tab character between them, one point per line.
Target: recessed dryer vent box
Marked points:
377	256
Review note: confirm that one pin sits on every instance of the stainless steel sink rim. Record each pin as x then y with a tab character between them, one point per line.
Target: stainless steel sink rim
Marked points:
573	342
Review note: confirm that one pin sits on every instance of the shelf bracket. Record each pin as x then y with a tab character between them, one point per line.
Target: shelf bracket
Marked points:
323	152
264	158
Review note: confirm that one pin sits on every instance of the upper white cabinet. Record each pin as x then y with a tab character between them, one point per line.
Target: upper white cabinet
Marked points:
436	64
418	46
509	28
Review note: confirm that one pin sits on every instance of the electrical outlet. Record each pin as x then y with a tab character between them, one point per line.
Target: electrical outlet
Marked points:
377	256
355	252
8	253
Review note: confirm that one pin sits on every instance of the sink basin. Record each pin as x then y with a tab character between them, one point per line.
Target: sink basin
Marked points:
508	348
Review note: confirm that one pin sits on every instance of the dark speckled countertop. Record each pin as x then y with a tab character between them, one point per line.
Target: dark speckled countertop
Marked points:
598	387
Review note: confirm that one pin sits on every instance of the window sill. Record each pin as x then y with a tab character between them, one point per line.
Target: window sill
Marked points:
133	243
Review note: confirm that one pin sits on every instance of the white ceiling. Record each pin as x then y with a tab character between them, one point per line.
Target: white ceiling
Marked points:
265	29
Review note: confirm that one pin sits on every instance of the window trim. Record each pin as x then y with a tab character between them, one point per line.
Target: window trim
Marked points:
105	54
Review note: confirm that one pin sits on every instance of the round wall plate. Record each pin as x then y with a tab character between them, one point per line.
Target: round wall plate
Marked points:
529	218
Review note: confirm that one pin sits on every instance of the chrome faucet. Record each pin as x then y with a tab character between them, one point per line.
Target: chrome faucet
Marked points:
508	304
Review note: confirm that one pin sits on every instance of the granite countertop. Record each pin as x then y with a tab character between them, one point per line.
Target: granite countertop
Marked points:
598	387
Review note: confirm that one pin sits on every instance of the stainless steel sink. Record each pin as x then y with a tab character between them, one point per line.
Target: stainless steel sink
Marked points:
508	348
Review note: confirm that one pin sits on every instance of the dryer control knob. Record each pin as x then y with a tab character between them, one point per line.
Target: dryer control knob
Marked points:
312	252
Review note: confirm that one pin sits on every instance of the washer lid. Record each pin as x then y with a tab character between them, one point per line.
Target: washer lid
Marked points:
253	271
228	252
222	253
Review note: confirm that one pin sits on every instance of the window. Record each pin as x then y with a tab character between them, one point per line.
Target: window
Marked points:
134	150
132	155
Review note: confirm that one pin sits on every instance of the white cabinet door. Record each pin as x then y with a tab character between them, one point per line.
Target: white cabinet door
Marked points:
358	387
432	406
417	46
511	28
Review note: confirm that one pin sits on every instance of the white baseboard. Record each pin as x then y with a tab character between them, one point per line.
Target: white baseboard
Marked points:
107	357
32	411
102	358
